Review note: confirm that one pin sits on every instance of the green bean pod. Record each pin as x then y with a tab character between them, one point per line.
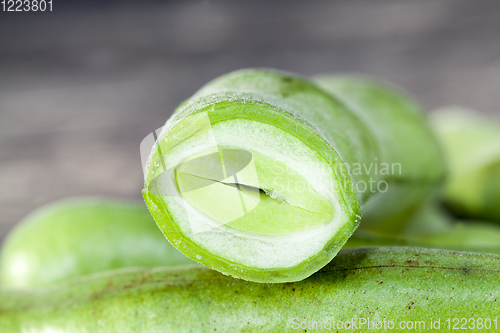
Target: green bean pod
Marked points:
263	175
82	236
472	147
381	286
469	236
433	227
409	160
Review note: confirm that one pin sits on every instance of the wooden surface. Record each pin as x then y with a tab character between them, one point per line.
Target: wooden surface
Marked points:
79	89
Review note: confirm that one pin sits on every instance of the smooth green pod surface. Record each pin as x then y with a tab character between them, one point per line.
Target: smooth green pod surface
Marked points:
472	147
81	236
433	227
395	286
409	162
263	175
470	236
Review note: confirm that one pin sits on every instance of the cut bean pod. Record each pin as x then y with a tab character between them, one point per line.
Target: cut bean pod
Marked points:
263	175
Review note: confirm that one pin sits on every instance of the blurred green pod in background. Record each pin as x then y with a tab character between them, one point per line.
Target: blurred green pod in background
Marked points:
472	147
80	236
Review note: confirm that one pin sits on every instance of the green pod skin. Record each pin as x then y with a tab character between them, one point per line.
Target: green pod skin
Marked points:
379	284
472	147
469	236
433	227
405	143
278	233
82	236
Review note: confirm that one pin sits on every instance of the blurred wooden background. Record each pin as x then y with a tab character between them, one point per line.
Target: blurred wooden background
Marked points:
82	86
